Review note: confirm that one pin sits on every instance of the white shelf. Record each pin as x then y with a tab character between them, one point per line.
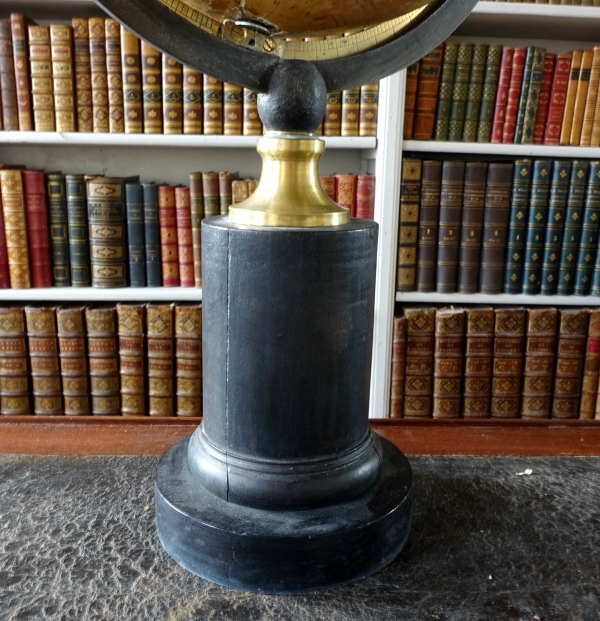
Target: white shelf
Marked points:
89	294
501	298
523	150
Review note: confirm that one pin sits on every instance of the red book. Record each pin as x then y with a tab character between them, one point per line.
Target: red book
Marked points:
185	244
410	98
514	93
502	94
365	196
427	92
544	99
345	192
167	218
4	273
38	237
558	98
328	185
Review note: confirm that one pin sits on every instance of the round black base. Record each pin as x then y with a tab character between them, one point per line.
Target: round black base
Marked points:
282	551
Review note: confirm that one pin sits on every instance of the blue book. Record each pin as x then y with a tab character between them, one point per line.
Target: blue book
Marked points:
152	235
134	210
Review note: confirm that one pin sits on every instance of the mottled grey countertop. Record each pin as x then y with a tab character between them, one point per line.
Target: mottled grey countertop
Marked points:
77	541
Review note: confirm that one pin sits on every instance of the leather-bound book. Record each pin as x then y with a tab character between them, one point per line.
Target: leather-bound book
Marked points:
369	103
514	95
588	239
38	236
557	205
527	70
42	340
328	185
451	200
471	229
197	214
488	96
345	191
184	236
134	211
41	78
172	92
188	359
479	353
152	89
192	101
570	356
509	336
580	97
239	191
8	87
429	217
571	93
252	125
114	76
233	112
351	111
168	236
100	113
541	116
82	75
61	39
4	271
590	102
131	321
152	235
517	227
332	123
504	80
59	229
591	368
78	231
15	228
213	105
536	225
495	225
540	347
21	63
252	185
225	200
572	228
427	91
420	345
365	196
106	216
210	189
460	91
410	193
132	82
103	352
14	368
558	97
161	362
398	366
475	92
595	288
448	362
446	88
410	99
73	360
533	95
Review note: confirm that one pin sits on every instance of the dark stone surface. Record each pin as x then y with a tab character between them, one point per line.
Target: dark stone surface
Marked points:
78	541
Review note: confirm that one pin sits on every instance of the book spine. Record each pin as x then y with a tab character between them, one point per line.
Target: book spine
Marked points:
192	101
345	191
132	82
509	334
213	105
369	104
114	76
504	81
4	270
99	75
570	355
420	344
475	92
398	366
581	97
185	247
571	94
252	124
160	333
134	209
351	111
541	116
152	89
429	216
514	94
152	235
540	345
106	217
197	214
225	191
8	87
591	368
521	112
172	92
210	190
427	91
14	368
327	183
410	99
533	95
410	191
15	228
332	123
239	191
132	368
590	102
586	254
21	63
59	230
168	236
444	102
233	111
38	237
488	97
365	196
61	40
82	75
479	346
460	92
188	360
448	362
78	231
41	78
558	97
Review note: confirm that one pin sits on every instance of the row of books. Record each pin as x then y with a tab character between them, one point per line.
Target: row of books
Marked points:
96	76
500	227
130	360
505	363
87	230
465	92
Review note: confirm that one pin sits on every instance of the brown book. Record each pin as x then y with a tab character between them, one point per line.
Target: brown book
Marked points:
369	104
252	123
410	99
233	109
21	62
210	188
398	367
213	105
540	346
239	191
350	111
132	82
197	212
192	101
99	75
172	91
169	250
479	355
44	361
591	368
570	354
188	356
61	39
185	245
114	76
565	132
82	74
73	360
14	369
427	91
103	352
591	98
448	362
429	216
252	185
152	89
225	191
410	191
42	96
420	343
131	327
328	185
509	336
8	86
581	97
332	123
160	332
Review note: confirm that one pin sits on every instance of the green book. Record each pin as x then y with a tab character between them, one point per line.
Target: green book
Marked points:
79	242
533	96
557	205
460	91
517	227
596	276
444	103
488	98
475	92
572	229
586	256
58	221
524	95
536	225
